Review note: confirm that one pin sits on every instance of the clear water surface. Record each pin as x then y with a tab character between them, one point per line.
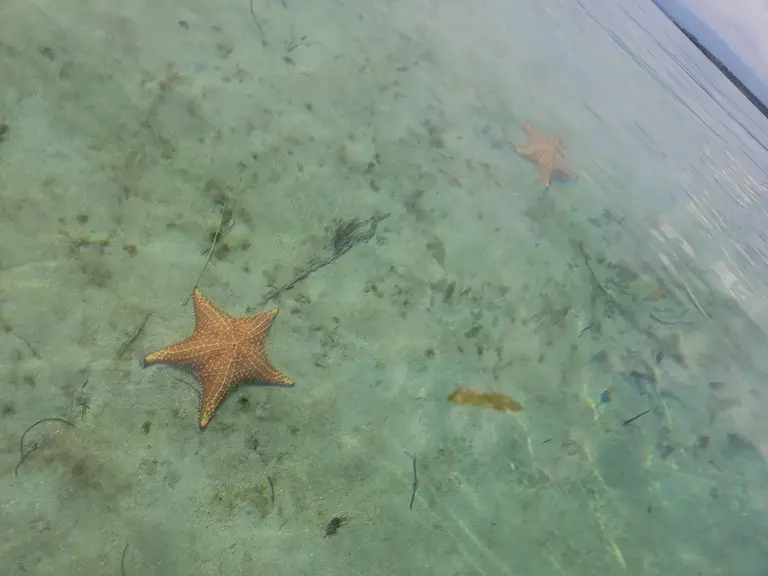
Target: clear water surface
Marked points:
625	311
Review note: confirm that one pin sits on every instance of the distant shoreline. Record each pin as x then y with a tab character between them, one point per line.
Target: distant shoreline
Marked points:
724	69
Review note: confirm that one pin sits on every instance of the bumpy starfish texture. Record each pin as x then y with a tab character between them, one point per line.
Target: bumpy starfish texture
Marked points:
546	153
223	351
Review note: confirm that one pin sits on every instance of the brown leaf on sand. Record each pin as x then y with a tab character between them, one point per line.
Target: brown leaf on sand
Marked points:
470	397
655	295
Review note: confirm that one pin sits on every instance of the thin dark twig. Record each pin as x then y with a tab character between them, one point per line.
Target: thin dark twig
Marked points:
256	20
122	560
345	237
34	446
224	221
128	343
190	384
291	46
414	483
271	489
28	345
629	421
671	322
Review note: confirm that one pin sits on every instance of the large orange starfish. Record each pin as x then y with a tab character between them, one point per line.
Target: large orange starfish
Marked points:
547	154
223	351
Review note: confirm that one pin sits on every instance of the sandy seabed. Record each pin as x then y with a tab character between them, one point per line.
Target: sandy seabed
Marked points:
130	127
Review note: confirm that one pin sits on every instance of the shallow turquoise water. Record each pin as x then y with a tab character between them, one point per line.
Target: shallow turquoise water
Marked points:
624	311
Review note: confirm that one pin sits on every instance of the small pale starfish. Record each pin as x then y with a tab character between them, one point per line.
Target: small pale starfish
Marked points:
546	153
223	351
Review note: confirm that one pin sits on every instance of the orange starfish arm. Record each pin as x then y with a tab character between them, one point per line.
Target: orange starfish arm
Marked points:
533	133
187	352
207	313
217	378
257	327
267	374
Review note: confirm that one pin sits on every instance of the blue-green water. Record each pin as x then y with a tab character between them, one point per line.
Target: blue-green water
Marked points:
625	311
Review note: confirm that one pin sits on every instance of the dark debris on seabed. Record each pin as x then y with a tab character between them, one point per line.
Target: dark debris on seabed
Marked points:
333	526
